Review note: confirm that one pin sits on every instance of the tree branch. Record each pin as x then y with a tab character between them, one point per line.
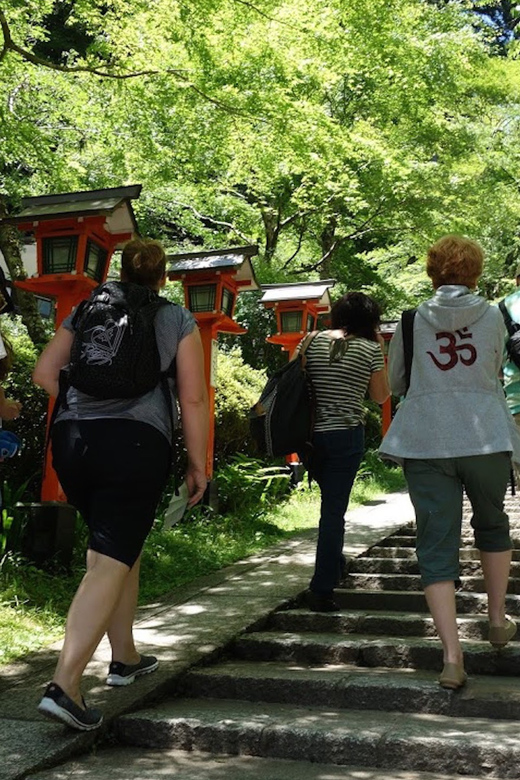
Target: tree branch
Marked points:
210	221
324	258
29	56
298	247
270	18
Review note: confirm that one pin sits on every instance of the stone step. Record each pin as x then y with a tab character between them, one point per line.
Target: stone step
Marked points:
375	622
410	566
401	553
418	742
129	763
467	540
403	601
352	687
411	582
366	650
401	541
406	545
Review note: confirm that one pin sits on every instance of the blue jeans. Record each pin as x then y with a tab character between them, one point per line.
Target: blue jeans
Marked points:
336	459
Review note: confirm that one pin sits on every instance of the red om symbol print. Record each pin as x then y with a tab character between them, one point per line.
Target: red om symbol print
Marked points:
451	352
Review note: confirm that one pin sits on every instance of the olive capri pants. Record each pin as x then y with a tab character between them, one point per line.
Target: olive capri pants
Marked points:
436	490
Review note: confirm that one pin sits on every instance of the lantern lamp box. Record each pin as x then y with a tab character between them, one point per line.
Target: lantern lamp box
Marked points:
297	307
76	234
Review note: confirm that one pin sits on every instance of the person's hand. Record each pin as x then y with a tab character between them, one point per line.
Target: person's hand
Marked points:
10	410
196	482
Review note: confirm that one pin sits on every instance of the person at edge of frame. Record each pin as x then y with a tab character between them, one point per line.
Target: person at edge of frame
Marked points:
510	371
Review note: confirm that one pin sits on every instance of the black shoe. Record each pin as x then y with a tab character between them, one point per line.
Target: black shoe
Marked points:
125	674
56	705
321	602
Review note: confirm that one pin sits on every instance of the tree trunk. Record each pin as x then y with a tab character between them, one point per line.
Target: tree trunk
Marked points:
271	222
10	248
327	240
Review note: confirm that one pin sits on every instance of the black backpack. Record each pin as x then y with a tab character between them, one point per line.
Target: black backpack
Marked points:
282	420
114	353
513	329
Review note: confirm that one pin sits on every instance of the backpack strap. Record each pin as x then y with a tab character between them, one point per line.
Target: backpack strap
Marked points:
512	327
407	322
305	344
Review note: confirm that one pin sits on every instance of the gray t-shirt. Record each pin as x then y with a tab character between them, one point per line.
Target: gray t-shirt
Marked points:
172	324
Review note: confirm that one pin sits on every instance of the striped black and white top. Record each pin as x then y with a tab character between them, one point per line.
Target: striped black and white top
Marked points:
340	369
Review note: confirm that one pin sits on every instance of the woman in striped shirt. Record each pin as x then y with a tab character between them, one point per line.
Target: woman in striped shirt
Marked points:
344	363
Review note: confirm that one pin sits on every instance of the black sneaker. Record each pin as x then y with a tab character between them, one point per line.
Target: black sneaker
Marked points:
56	705
125	674
321	602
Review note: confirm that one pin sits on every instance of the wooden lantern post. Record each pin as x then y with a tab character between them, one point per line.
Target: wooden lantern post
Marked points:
387	331
76	234
212	281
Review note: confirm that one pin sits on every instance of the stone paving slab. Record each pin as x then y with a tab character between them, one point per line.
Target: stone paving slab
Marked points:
407	741
27	747
192	623
355	687
135	764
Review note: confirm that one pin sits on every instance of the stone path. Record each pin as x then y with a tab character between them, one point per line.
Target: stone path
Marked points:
254	685
189	627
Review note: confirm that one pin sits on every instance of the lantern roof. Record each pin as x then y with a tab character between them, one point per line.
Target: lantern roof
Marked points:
114	203
388	327
234	259
299	291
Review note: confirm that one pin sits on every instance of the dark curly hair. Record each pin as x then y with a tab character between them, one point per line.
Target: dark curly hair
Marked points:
357	314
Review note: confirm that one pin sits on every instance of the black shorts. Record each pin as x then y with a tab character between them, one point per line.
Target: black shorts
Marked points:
114	472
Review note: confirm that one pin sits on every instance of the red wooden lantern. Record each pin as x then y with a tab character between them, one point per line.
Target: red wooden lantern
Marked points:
297	307
212	281
76	234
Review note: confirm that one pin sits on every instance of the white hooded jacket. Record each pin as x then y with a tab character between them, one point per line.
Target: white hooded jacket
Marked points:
455	405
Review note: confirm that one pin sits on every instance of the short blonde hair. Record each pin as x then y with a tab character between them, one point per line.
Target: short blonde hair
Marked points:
454	260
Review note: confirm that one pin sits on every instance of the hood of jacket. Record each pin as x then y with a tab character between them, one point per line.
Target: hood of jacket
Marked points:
452	307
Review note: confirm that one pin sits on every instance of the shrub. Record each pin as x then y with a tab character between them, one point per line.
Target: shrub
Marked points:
238	387
25	467
247	485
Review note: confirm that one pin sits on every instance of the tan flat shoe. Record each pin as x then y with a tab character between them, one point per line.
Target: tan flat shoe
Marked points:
453	676
499	636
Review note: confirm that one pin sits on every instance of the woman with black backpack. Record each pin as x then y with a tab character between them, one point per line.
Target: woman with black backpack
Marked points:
113	458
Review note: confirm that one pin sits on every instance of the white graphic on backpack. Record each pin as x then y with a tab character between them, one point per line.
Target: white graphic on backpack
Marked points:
104	342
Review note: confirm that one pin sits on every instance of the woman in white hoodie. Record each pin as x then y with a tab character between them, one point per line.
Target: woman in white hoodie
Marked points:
454	433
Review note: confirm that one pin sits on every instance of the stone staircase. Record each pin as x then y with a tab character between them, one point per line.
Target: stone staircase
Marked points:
354	691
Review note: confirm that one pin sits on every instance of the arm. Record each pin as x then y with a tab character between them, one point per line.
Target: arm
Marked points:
193	400
396	370
9	409
378	388
54	357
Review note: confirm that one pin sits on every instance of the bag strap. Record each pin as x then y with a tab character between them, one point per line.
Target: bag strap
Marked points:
407	322
512	327
305	344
